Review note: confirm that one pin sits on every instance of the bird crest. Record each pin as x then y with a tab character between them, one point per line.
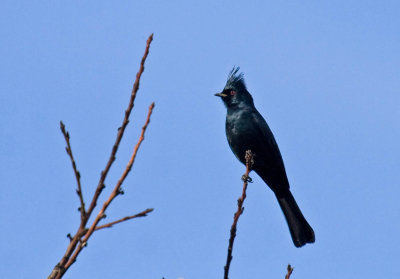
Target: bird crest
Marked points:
235	80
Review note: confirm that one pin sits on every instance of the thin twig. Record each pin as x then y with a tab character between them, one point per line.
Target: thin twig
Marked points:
109	225
246	179
73	246
113	194
121	130
77	173
289	271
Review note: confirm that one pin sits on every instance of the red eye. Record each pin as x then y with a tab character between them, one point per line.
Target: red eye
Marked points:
232	93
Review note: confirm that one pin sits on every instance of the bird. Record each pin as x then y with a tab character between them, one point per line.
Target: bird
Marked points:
246	129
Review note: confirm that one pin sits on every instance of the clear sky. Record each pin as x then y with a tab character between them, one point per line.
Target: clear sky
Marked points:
324	74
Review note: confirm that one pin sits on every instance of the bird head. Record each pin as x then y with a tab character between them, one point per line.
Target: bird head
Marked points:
235	91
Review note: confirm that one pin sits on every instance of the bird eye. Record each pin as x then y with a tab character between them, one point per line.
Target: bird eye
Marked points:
232	93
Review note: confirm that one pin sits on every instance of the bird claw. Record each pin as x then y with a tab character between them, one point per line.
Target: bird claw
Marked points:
247	178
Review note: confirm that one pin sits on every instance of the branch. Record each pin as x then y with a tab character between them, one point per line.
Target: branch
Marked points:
135	150
121	130
114	193
76	242
246	179
141	214
289	271
77	173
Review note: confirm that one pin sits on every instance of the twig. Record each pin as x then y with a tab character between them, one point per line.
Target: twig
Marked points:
109	225
246	179
77	173
113	194
76	243
121	130
289	271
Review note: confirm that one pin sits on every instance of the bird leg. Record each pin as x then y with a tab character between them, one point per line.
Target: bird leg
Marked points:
247	178
249	164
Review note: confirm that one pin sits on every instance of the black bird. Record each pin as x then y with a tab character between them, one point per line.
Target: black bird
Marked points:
246	130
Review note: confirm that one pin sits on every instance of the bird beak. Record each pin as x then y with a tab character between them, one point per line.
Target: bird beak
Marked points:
222	95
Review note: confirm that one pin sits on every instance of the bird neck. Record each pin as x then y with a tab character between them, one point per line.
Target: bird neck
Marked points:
240	106
235	113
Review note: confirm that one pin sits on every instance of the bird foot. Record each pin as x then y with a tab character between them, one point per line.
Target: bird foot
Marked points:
247	178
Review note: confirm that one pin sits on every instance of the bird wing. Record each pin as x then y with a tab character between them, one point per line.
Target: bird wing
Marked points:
272	169
267	139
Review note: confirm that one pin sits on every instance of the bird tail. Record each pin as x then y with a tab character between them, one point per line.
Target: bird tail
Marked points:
300	230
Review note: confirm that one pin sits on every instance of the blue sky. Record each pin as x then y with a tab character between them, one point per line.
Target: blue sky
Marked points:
324	75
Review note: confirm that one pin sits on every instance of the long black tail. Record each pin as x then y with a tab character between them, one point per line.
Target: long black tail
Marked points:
300	230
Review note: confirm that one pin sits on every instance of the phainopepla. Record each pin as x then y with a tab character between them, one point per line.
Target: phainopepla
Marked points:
246	130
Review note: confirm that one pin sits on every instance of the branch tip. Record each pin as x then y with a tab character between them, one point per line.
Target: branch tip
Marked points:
140	214
79	240
289	271
249	156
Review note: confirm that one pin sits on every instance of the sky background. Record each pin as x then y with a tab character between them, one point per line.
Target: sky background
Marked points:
326	77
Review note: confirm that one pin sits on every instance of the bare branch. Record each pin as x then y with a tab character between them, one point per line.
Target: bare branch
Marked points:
113	194
289	271
121	130
109	225
135	150
246	179
79	240
77	173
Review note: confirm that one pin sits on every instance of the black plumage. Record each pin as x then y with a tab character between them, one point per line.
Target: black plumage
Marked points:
246	130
